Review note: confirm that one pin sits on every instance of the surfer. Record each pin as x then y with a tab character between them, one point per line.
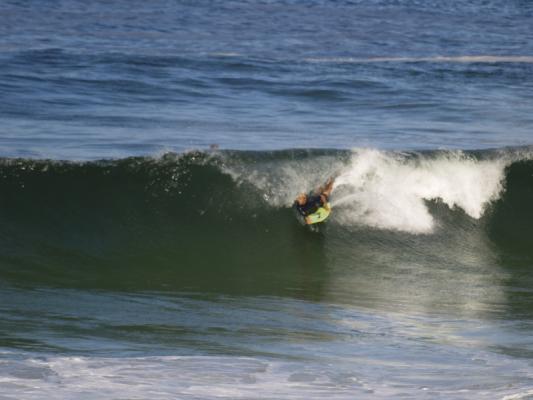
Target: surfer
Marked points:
308	204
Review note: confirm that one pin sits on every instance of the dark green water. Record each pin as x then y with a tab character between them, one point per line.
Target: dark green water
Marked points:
195	263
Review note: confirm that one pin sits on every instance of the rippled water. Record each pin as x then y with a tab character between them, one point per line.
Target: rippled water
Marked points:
90	80
163	272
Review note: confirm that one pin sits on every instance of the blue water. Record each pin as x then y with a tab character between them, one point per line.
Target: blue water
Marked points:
147	169
84	80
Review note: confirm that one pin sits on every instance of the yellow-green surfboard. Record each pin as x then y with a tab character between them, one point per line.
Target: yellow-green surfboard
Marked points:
319	215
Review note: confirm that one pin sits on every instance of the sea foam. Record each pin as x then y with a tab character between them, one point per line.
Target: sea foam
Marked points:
390	190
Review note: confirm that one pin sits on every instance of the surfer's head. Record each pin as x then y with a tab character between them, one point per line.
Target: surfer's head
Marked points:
301	199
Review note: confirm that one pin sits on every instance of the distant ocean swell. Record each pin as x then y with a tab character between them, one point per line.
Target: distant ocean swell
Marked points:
61	220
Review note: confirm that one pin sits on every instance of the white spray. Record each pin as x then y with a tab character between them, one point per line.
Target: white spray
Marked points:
390	190
385	190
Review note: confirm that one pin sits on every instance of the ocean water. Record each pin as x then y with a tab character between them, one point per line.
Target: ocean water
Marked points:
149	156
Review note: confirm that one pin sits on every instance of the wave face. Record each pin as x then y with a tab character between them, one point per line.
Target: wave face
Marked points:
193	219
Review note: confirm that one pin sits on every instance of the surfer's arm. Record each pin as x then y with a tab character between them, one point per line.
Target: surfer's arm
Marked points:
325	191
328	187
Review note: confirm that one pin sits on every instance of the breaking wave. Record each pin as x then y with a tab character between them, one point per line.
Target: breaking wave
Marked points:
203	209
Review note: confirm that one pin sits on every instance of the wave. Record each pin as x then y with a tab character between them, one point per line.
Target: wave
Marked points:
202	210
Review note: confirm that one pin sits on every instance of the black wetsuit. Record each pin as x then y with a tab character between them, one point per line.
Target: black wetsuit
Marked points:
312	204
